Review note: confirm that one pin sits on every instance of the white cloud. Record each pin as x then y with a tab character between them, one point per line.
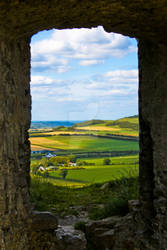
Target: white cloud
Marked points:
63	68
90	62
126	80
127	75
38	80
91	46
113	83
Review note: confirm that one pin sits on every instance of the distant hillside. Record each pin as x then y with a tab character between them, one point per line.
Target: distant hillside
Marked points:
131	122
123	126
133	116
88	123
127	122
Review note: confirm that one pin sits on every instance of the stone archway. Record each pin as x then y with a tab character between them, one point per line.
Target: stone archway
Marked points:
19	20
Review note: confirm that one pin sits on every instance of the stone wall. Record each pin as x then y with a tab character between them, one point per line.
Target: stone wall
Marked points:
15	105
139	18
19	20
153	139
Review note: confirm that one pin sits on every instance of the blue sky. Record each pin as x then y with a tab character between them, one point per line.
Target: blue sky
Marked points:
82	74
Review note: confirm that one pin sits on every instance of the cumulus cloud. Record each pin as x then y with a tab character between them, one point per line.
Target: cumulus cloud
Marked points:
90	62
49	62
127	75
41	80
121	81
90	46
114	83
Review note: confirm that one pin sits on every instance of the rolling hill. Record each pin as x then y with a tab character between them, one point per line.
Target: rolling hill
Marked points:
124	126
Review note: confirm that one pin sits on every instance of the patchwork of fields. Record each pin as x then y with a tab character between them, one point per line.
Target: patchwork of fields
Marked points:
125	166
92	138
84	143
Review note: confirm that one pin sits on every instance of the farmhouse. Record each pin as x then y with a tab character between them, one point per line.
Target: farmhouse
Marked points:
49	155
41	168
72	164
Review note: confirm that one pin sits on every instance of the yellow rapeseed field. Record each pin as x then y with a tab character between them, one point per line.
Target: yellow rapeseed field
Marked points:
98	128
42	143
64	132
39	148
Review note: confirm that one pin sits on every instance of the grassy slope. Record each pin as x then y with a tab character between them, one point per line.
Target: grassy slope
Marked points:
127	125
87	123
124	126
46	196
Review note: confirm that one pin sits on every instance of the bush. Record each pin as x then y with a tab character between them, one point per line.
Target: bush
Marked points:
80	225
127	189
41	193
72	158
82	163
63	173
58	160
34	168
115	206
106	161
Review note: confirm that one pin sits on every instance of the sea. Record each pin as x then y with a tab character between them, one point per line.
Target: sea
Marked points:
51	124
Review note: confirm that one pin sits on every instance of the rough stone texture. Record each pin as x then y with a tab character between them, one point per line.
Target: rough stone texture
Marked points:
43	221
40	240
16	228
112	233
19	20
70	239
120	233
139	18
15	107
153	138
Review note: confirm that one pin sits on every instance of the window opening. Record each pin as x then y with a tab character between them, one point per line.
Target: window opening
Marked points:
84	130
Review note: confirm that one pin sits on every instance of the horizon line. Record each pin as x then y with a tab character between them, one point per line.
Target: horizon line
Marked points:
82	120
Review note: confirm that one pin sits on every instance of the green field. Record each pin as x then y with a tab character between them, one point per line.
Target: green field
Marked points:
126	166
98	174
121	160
89	136
84	143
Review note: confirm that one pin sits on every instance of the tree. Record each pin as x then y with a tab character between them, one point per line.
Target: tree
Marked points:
34	168
106	161
46	174
57	160
63	173
72	158
44	162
